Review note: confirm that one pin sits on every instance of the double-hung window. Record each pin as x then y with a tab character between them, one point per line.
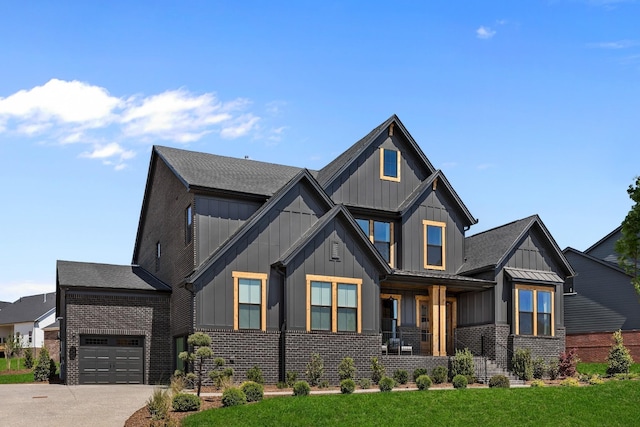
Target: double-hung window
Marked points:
389	164
380	233
434	245
249	305
534	310
334	304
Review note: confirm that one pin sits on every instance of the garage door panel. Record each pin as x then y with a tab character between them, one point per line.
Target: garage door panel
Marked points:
113	361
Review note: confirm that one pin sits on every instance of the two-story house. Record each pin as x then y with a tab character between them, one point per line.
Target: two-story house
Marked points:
366	257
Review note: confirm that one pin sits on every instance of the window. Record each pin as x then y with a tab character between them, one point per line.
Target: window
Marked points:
389	165
188	228
534	310
434	245
380	233
333	304
158	253
249	300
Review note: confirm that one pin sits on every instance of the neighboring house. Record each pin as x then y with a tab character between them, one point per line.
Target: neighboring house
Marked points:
601	301
52	340
365	257
26	317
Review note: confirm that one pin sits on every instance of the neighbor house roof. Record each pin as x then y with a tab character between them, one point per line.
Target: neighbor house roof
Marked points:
28	309
107	276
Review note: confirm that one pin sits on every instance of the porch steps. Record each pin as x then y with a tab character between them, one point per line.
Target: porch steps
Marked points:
493	369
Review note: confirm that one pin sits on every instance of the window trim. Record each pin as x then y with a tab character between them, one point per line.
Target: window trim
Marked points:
334	299
188	225
535	290
263	295
392	242
382	175
443	226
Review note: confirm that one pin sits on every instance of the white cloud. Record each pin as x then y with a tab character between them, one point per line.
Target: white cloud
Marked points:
11	292
620	44
239	127
485	33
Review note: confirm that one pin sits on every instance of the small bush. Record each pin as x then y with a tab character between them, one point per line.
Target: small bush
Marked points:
595	380
522	364
539	368
570	382
28	358
255	374
459	381
158	404
221	377
42	369
623	377
440	374
347	386
423	382
499	381
462	364
185	402
53	369
567	363
253	391
315	369
377	370
346	369
365	383
292	377
233	396
418	372
553	370
177	384
401	376
281	385
301	388
323	384
538	383
386	384
619	360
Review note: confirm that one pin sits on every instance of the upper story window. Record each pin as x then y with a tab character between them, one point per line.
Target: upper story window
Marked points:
534	308
434	245
188	225
333	304
158	253
249	297
389	164
380	233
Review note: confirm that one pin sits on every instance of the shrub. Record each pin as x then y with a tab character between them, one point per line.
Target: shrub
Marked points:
386	384
619	360
522	364
301	388
459	381
185	402
423	382
346	369
43	368
177	384
221	377
440	374
418	372
282	384
253	391
201	342
623	377
462	364
323	384
53	368
347	386
553	370
567	363
401	376
28	358
499	381
233	396
255	374
377	370
158	404
570	382
315	369
538	383
595	380
539	368
365	383
292	377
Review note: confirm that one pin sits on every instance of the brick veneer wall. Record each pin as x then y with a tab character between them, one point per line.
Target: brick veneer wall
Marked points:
139	315
52	343
594	347
409	363
549	348
495	341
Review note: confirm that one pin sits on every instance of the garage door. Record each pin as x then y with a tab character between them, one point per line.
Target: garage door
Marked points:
111	359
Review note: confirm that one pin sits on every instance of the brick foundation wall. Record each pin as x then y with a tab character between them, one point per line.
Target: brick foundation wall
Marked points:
594	347
410	363
139	315
549	348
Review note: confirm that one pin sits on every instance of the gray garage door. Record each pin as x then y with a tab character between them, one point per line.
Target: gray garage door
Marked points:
111	359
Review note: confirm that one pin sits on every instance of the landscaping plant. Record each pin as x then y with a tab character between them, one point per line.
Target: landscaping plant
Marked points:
292	377
423	382
377	370
459	381
418	372
499	381
301	388
347	386
255	374
220	376
567	362
346	369
158	404
42	369
28	358
315	369
365	383
522	364
233	396
439	374
253	391
186	402
462	364
539	368
619	360
401	376
201	342
386	384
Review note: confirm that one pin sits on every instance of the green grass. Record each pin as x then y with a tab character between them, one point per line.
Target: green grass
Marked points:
15	362
601	368
614	403
8	377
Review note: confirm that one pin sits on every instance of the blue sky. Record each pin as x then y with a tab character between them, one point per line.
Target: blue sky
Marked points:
527	107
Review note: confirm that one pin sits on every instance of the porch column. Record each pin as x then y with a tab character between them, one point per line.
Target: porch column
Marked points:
443	320
438	319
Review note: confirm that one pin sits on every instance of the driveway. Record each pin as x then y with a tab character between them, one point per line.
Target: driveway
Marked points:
60	405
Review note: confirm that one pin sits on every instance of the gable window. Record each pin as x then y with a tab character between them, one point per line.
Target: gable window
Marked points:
158	253
333	304
380	233
188	225
249	300
434	245
389	164
534	310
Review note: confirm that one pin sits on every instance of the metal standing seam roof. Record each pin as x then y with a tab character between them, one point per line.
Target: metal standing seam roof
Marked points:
533	275
27	309
107	276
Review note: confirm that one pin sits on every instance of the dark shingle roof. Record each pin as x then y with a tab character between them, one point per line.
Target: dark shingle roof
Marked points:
107	276
28	309
442	277
205	170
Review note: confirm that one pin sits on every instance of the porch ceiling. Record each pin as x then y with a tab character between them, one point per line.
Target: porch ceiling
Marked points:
453	282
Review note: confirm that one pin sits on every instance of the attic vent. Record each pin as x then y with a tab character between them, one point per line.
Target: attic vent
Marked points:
335	251
391	129
435	184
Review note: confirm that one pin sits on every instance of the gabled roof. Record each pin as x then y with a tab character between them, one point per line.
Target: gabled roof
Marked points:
491	248
107	276
441	277
604	263
604	239
356	231
331	171
28	309
425	187
303	174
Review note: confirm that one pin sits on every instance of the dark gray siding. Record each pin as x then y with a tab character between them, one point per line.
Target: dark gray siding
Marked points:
532	254
605	250
476	308
605	300
360	184
316	259
255	252
216	219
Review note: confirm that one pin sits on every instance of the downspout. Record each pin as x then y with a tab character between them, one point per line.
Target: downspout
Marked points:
279	269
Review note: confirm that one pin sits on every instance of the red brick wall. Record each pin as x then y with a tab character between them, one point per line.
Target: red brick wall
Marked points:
595	347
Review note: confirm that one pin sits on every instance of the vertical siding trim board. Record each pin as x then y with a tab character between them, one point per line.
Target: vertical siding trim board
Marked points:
263	295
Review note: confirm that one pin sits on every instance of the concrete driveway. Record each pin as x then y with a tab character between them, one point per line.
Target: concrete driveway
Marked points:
60	405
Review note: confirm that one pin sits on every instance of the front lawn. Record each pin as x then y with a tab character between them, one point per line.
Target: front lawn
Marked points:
613	403
18	374
601	368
